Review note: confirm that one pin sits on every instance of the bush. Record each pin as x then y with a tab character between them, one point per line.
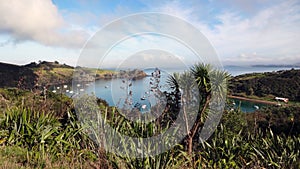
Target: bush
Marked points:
42	134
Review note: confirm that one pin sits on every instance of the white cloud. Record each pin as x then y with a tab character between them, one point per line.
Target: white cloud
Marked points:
174	8
271	29
145	50
38	21
272	32
260	31
153	58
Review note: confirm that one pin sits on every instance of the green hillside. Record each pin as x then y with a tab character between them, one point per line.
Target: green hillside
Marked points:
51	73
285	83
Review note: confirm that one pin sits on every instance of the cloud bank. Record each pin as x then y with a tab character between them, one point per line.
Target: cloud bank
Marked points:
38	21
242	32
262	33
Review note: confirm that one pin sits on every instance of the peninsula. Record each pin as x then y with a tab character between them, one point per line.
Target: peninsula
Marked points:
51	73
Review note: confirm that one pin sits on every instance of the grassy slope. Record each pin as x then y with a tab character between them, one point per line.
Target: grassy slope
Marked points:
55	103
51	73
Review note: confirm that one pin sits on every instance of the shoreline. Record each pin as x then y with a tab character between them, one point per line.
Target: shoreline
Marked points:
252	100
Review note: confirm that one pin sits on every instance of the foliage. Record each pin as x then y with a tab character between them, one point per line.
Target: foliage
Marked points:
282	120
16	76
41	133
174	158
281	84
37	133
57	104
210	83
263	149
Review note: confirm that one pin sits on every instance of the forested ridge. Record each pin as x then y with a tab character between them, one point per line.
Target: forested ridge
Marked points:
284	83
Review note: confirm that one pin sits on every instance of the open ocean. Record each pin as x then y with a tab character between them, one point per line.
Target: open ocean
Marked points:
238	70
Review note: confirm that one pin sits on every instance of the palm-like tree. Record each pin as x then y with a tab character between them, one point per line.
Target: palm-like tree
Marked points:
219	83
210	82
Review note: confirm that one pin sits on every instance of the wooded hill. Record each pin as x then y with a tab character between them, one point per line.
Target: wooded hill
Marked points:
284	83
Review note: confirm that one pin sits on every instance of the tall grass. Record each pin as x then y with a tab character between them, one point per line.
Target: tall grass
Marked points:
44	136
44	140
262	149
231	146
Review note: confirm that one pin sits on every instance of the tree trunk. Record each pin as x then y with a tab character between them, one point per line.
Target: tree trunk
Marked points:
196	127
190	145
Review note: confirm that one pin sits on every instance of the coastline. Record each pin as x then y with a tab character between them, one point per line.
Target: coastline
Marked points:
252	100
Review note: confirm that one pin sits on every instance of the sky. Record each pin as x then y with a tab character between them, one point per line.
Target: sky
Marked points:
242	32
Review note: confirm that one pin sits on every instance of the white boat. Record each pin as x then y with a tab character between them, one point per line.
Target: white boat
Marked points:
54	91
256	107
144	106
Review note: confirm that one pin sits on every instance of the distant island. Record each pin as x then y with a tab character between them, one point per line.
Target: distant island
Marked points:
52	73
278	65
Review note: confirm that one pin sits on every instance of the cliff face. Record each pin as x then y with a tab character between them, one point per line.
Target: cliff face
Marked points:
284	83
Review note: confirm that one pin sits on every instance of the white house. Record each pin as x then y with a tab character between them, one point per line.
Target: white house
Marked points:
282	99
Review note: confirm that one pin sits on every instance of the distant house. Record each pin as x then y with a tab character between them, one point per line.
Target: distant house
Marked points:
282	99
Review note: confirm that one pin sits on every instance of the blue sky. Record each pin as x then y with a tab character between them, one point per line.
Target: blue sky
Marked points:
243	32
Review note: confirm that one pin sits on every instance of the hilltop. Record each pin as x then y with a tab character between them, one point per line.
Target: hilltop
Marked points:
27	76
284	83
16	76
50	73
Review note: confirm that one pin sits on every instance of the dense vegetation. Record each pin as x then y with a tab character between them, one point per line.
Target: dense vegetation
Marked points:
284	83
45	132
278	119
36	139
16	76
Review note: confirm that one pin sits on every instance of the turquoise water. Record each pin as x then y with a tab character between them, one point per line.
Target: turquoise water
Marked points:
114	91
246	106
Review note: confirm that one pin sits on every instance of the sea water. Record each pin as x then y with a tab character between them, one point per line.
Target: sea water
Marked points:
114	91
